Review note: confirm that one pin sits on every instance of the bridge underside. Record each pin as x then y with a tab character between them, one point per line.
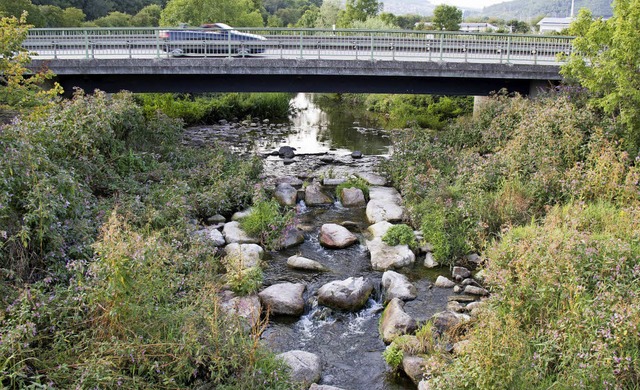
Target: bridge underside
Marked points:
292	83
287	75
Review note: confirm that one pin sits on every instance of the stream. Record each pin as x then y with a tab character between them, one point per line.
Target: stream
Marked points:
349	344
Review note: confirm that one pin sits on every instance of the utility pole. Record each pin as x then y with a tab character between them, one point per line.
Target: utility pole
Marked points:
572	8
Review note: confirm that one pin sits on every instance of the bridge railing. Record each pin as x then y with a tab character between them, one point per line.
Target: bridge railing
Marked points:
393	45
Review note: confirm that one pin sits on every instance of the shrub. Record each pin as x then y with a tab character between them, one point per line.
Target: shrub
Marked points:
354	182
267	222
393	355
400	235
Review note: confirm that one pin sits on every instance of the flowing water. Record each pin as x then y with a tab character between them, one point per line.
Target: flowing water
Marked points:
348	344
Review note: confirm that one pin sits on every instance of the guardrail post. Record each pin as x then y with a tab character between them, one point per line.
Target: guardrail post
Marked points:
157	43
55	49
466	53
318	47
429	51
281	46
204	48
508	50
228	45
500	52
393	52
301	45
441	46
371	47
535	56
129	47
86	44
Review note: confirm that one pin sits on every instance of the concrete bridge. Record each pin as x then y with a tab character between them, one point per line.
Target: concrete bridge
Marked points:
300	60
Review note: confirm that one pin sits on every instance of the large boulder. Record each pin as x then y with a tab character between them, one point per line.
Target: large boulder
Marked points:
372	178
379	229
396	285
305	367
286	194
247	255
384	257
412	366
247	308
284	298
349	294
212	235
335	236
234	234
385	204
395	321
352	197
286	152
299	262
292	237
444	282
446	320
460	273
313	195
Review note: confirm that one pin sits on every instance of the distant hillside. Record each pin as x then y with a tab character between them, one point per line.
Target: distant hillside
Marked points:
403	7
529	9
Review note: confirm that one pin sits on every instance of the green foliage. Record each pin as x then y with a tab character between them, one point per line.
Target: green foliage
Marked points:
418	110
211	108
506	166
529	10
239	13
447	17
354	182
358	11
400	235
243	281
19	87
563	311
267	222
114	19
605	59
393	355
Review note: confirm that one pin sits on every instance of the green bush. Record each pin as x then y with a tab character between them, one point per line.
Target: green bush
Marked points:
268	222
563	311
400	235
393	355
354	182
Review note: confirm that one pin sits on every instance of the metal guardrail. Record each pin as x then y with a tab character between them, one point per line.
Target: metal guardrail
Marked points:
394	45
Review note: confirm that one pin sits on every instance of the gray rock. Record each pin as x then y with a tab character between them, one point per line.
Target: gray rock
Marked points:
352	197
247	308
286	194
314	196
474	290
324	387
305	367
247	255
395	321
460	347
372	178
349	294
412	366
460	273
385	204
293	181
356	154
327	159
333	182
445	320
474	259
429	262
288	161
384	257
212	235
216	219
299	262
457	289
335	236
241	214
284	298
444	282
396	285
462	298
379	229
469	282
455	307
286	152
234	234
292	237
425	385
480	276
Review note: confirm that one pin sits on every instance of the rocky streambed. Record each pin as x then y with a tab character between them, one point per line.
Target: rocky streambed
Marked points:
337	295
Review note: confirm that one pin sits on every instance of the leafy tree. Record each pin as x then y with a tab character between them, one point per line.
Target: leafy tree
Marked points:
376	23
605	60
114	19
329	13
52	15
20	87
359	10
149	16
72	17
447	17
408	22
16	8
309	18
518	26
197	12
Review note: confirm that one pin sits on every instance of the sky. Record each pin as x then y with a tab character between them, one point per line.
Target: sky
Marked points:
468	3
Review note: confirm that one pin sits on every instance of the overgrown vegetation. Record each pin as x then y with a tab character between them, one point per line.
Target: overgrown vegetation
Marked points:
400	234
354	182
104	283
210	108
267	221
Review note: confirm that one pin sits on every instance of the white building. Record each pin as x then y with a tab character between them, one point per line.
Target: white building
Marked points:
477	27
554	24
